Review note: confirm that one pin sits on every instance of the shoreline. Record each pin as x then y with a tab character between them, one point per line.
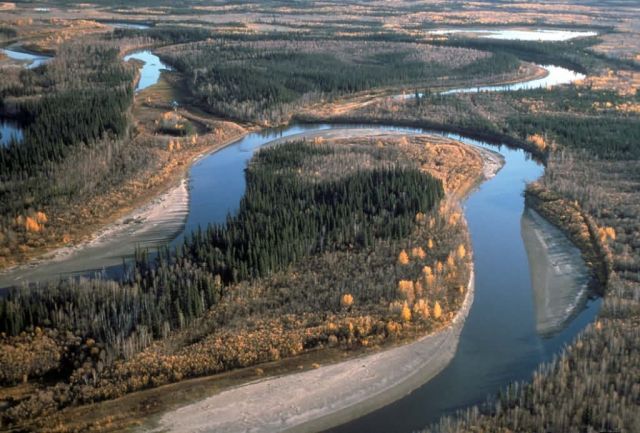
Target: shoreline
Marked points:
557	268
328	396
58	253
333	394
172	198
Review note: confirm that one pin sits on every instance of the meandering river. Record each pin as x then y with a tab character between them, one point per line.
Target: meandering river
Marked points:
516	321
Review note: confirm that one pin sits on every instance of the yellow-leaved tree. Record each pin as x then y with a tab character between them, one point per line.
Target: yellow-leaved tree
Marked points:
421	309
418	252
31	225
437	310
347	300
405	314
403	258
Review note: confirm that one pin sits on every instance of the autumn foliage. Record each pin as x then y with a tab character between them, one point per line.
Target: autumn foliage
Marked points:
347	300
403	258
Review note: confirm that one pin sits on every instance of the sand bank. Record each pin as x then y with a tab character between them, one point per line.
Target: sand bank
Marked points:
333	394
559	276
148	226
327	396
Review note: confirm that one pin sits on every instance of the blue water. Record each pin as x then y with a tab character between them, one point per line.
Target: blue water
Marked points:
499	343
541	35
150	71
9	131
126	25
31	60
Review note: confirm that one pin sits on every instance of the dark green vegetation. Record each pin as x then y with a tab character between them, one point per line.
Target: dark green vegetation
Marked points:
575	117
572	54
591	140
282	218
164	34
7	32
92	332
75	117
265	76
263	81
78	100
605	137
593	385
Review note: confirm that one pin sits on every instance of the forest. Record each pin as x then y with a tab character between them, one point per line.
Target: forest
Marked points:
258	81
363	256
592	385
71	110
290	228
572	54
58	112
276	225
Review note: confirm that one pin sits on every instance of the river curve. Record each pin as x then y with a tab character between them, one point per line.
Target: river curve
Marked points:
499	343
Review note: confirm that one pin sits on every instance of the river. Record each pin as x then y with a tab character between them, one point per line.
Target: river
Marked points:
506	335
151	69
540	35
510	328
30	60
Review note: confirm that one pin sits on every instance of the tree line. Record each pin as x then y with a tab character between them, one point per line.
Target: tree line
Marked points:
282	218
249	82
63	115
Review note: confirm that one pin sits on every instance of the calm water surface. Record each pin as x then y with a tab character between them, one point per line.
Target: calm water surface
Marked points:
31	60
9	131
556	75
126	25
151	69
499	342
543	35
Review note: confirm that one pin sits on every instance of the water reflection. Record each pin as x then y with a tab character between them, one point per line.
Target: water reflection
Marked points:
126	25
542	35
556	75
559	277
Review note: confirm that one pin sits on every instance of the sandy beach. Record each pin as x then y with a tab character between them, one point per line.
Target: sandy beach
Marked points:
559	277
330	395
150	225
333	394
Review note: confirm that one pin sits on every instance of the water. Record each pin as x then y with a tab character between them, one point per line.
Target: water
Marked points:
9	131
544	35
31	60
217	182
126	25
151	69
556	76
501	340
